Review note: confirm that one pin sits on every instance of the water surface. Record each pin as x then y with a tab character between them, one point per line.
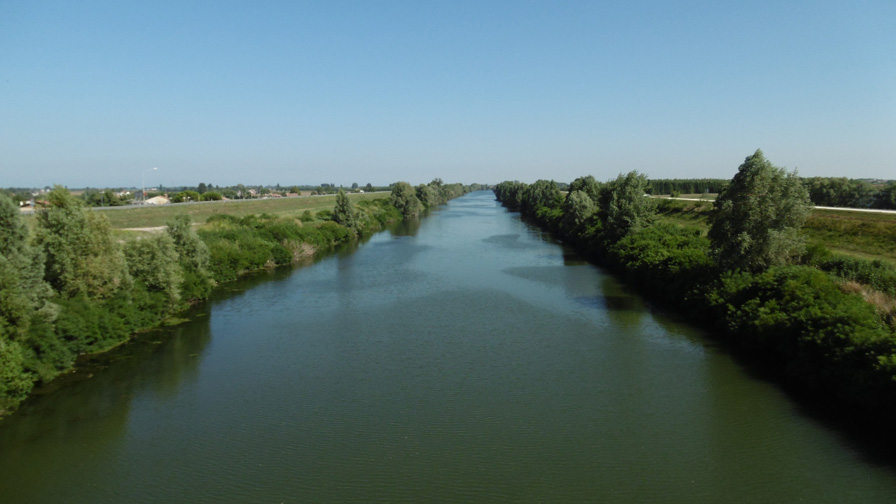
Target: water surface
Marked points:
468	360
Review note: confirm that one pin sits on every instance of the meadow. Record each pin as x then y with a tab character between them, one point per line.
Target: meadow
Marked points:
865	235
155	216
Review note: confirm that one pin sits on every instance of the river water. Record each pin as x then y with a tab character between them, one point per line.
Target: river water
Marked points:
470	359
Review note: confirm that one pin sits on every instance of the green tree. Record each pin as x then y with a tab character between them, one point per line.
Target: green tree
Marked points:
541	194
404	198
82	257
15	381
886	197
154	261
428	195
184	196
755	222
624	206
577	209
510	193
24	302
13	231
23	292
193	256
588	185
344	212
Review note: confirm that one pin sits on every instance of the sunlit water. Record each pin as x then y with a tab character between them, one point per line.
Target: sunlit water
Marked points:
469	360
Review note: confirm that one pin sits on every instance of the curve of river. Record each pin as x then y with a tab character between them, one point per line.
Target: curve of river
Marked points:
469	360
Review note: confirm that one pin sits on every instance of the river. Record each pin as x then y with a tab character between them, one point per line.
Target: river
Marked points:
467	359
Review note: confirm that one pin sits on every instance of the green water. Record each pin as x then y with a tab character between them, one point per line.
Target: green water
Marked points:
469	360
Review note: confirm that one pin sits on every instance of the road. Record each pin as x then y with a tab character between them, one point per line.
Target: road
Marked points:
844	209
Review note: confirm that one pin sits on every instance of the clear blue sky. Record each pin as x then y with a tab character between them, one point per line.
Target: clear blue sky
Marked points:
92	93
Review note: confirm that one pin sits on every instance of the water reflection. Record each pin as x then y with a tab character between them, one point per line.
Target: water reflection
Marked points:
464	360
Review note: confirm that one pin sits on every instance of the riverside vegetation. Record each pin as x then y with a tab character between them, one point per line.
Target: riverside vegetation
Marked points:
825	323
70	286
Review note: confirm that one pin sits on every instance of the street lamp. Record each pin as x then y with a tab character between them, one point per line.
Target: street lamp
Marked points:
144	182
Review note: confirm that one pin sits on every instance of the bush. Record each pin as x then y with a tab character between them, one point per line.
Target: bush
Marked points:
824	338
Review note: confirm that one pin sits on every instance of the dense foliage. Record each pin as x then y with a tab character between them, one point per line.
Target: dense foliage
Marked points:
70	287
756	220
677	187
851	193
797	313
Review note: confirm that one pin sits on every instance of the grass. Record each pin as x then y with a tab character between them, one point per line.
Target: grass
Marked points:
863	235
154	216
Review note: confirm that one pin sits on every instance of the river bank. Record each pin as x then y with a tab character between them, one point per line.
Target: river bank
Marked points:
466	357
79	289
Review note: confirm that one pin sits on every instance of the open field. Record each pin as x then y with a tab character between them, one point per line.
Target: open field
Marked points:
867	235
154	216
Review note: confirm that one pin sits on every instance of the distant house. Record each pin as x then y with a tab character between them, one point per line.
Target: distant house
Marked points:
158	200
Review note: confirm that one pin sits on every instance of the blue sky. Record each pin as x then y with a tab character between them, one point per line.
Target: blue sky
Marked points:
93	93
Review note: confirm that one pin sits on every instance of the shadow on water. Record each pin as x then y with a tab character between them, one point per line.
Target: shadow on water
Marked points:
870	436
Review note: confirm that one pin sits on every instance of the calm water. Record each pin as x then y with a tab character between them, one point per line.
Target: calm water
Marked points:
469	360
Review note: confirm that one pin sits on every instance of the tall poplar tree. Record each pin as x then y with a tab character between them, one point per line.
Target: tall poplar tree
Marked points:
344	212
756	221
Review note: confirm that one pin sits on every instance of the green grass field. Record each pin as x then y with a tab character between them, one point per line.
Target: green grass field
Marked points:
865	235
154	216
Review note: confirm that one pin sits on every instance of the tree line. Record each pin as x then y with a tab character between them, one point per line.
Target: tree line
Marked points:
800	310
70	287
823	191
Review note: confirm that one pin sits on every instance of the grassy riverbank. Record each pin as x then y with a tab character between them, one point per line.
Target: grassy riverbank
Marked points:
865	235
158	215
74	282
825	323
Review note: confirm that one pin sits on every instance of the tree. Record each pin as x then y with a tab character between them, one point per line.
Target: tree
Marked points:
15	381
886	197
13	231
755	222
153	260
624	206
344	212
428	195
82	256
193	256
588	185
23	293
185	196
510	193
404	198
541	194
577	209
